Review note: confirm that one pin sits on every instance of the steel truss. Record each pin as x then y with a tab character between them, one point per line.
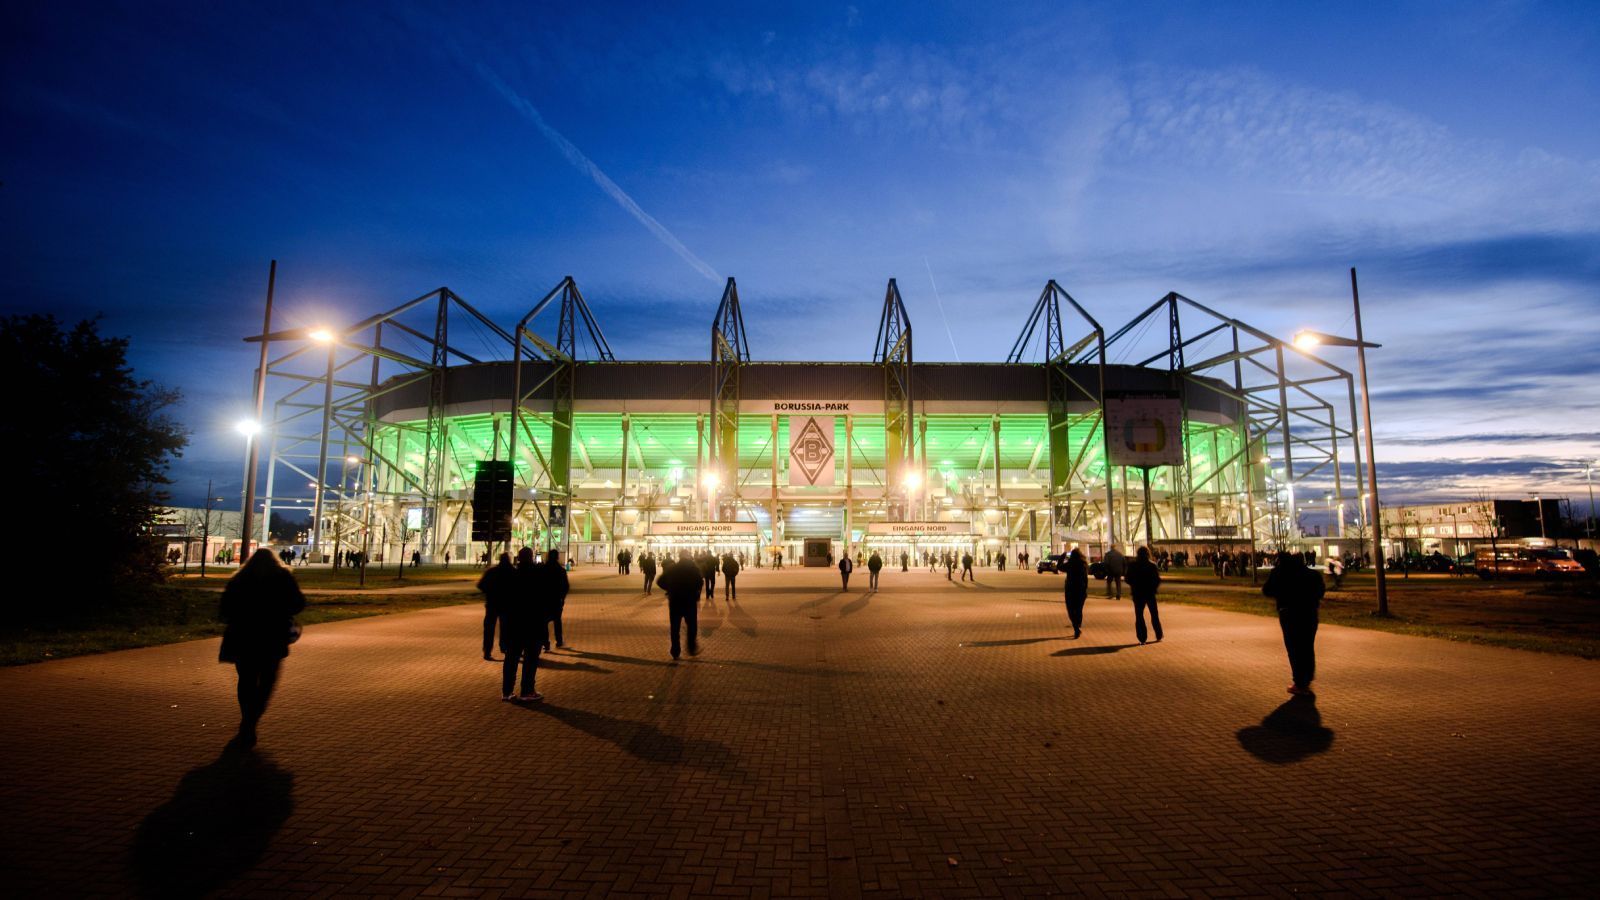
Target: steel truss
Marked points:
405	345
1061	387
730	350
552	471
1282	418
892	351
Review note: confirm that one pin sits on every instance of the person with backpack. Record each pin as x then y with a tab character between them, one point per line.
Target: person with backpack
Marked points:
874	566
730	571
683	582
1298	592
1144	579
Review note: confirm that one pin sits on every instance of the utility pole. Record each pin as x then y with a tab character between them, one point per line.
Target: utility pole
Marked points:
253	453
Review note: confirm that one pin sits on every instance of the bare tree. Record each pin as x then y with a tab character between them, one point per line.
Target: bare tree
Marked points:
1480	512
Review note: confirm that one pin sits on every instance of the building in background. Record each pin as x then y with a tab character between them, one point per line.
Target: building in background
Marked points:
1185	427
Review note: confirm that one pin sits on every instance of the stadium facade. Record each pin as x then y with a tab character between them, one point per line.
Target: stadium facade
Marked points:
380	428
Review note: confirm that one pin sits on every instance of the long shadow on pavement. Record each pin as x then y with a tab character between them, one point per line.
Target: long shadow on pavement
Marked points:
855	606
615	658
820	601
1092	651
1018	642
1289	733
709	623
644	740
742	620
216	826
545	662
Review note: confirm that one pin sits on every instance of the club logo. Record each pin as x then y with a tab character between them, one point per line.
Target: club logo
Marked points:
812	451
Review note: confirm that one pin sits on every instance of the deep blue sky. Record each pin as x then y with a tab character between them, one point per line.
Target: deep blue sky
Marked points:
155	156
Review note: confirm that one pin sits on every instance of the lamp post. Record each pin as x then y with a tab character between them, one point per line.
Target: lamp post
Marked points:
253	427
1538	505
205	528
1588	476
1309	339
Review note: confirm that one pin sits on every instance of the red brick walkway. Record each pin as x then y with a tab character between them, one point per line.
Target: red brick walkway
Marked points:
930	739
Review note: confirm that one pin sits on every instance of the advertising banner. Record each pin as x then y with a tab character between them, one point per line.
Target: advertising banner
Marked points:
1144	430
811	450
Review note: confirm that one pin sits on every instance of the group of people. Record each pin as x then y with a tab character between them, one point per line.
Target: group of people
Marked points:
524	600
1296	588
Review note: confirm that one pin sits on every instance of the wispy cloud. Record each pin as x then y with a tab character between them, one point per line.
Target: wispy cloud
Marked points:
585	165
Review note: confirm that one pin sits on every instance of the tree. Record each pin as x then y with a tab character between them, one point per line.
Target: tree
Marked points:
90	446
1482	514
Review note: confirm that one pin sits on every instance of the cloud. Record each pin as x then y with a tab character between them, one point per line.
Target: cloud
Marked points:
583	164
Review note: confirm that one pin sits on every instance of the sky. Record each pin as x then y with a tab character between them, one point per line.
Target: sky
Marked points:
155	156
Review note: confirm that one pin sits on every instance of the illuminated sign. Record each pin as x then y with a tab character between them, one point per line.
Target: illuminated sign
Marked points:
1144	430
704	529
920	529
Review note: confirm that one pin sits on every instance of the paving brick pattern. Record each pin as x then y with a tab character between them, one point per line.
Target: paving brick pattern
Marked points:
931	739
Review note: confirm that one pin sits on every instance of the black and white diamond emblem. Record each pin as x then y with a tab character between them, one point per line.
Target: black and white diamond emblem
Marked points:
812	451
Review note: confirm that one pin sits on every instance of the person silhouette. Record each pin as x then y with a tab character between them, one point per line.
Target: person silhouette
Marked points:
1144	579
1298	592
1076	590
259	604
683	582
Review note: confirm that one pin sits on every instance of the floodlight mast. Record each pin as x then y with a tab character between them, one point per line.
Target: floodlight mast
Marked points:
253	446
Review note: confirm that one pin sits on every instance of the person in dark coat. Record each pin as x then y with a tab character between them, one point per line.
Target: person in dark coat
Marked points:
1077	589
966	567
905	561
496	585
845	568
874	566
730	571
1144	579
647	565
708	573
259	605
521	631
1298	593
682	581
552	596
1116	566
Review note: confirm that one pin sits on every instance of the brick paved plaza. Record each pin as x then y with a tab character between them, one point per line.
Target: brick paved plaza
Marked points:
932	739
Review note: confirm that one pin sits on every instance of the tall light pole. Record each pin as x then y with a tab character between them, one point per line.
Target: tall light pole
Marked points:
1588	476
323	336
1538	504
1308	339
253	428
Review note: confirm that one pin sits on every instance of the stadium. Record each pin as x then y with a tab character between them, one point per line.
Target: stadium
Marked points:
1184	428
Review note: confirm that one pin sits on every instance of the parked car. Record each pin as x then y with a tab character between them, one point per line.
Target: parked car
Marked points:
1055	563
1524	562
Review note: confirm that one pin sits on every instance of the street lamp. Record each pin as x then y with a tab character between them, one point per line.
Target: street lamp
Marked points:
1588	476
1306	340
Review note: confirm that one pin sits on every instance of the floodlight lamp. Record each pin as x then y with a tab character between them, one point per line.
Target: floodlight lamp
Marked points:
354	459
913	481
321	335
1305	340
248	427
709	479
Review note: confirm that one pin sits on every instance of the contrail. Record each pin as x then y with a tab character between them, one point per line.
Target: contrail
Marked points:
947	331
586	166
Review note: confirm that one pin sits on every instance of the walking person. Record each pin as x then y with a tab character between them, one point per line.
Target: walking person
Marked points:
1077	589
966	567
1116	566
1298	591
552	586
647	565
949	567
259	605
874	566
845	568
905	561
521	628
1144	579
730	571
496	585
708	573
682	582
